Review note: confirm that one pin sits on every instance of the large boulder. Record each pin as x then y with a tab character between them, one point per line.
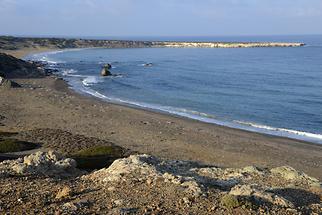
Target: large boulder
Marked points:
11	67
291	174
149	169
260	194
105	72
41	163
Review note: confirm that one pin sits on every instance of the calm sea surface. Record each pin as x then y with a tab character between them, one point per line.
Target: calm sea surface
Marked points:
271	90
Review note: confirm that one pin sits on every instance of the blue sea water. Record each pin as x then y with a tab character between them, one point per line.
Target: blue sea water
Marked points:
270	90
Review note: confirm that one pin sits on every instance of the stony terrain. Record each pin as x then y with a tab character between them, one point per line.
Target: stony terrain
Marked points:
143	184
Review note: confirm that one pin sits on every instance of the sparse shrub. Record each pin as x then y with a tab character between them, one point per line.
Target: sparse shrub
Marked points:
13	145
112	151
97	157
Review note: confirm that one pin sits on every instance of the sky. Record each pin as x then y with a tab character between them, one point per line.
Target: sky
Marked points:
160	17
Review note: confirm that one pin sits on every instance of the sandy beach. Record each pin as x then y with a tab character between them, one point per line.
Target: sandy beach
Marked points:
49	103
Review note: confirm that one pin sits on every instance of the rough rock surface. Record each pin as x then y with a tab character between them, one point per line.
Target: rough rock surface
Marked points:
11	67
105	72
143	184
259	194
248	182
148	168
292	174
40	163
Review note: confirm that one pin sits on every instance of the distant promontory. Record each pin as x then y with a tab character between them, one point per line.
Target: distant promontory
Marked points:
9	43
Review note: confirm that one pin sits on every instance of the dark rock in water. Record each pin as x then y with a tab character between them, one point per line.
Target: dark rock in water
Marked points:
148	65
105	72
108	66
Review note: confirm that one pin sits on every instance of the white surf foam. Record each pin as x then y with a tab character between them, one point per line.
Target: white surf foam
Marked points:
68	71
90	80
284	130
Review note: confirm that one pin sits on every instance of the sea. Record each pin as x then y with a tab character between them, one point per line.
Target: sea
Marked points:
276	91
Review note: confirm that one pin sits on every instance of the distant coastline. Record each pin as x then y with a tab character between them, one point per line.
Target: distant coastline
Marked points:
11	44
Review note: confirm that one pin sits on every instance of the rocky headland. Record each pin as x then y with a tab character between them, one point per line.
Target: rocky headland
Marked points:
13	44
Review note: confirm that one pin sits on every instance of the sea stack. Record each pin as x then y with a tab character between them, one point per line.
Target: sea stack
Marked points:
105	71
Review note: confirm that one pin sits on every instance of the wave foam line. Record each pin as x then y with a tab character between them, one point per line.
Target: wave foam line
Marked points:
300	133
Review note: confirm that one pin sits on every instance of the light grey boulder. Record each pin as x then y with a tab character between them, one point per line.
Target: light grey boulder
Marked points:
260	194
42	163
291	174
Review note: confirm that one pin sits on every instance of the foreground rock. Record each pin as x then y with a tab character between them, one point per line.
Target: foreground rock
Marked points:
11	67
40	163
249	184
143	184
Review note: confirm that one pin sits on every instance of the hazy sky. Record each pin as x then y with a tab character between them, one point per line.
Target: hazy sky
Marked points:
160	17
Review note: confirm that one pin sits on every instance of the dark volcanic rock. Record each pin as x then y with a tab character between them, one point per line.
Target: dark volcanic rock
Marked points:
148	64
108	66
11	67
105	72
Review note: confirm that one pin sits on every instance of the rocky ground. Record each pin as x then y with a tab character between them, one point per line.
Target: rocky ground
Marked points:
49	183
142	184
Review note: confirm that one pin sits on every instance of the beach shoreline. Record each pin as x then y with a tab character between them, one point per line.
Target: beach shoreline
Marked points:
202	117
150	132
